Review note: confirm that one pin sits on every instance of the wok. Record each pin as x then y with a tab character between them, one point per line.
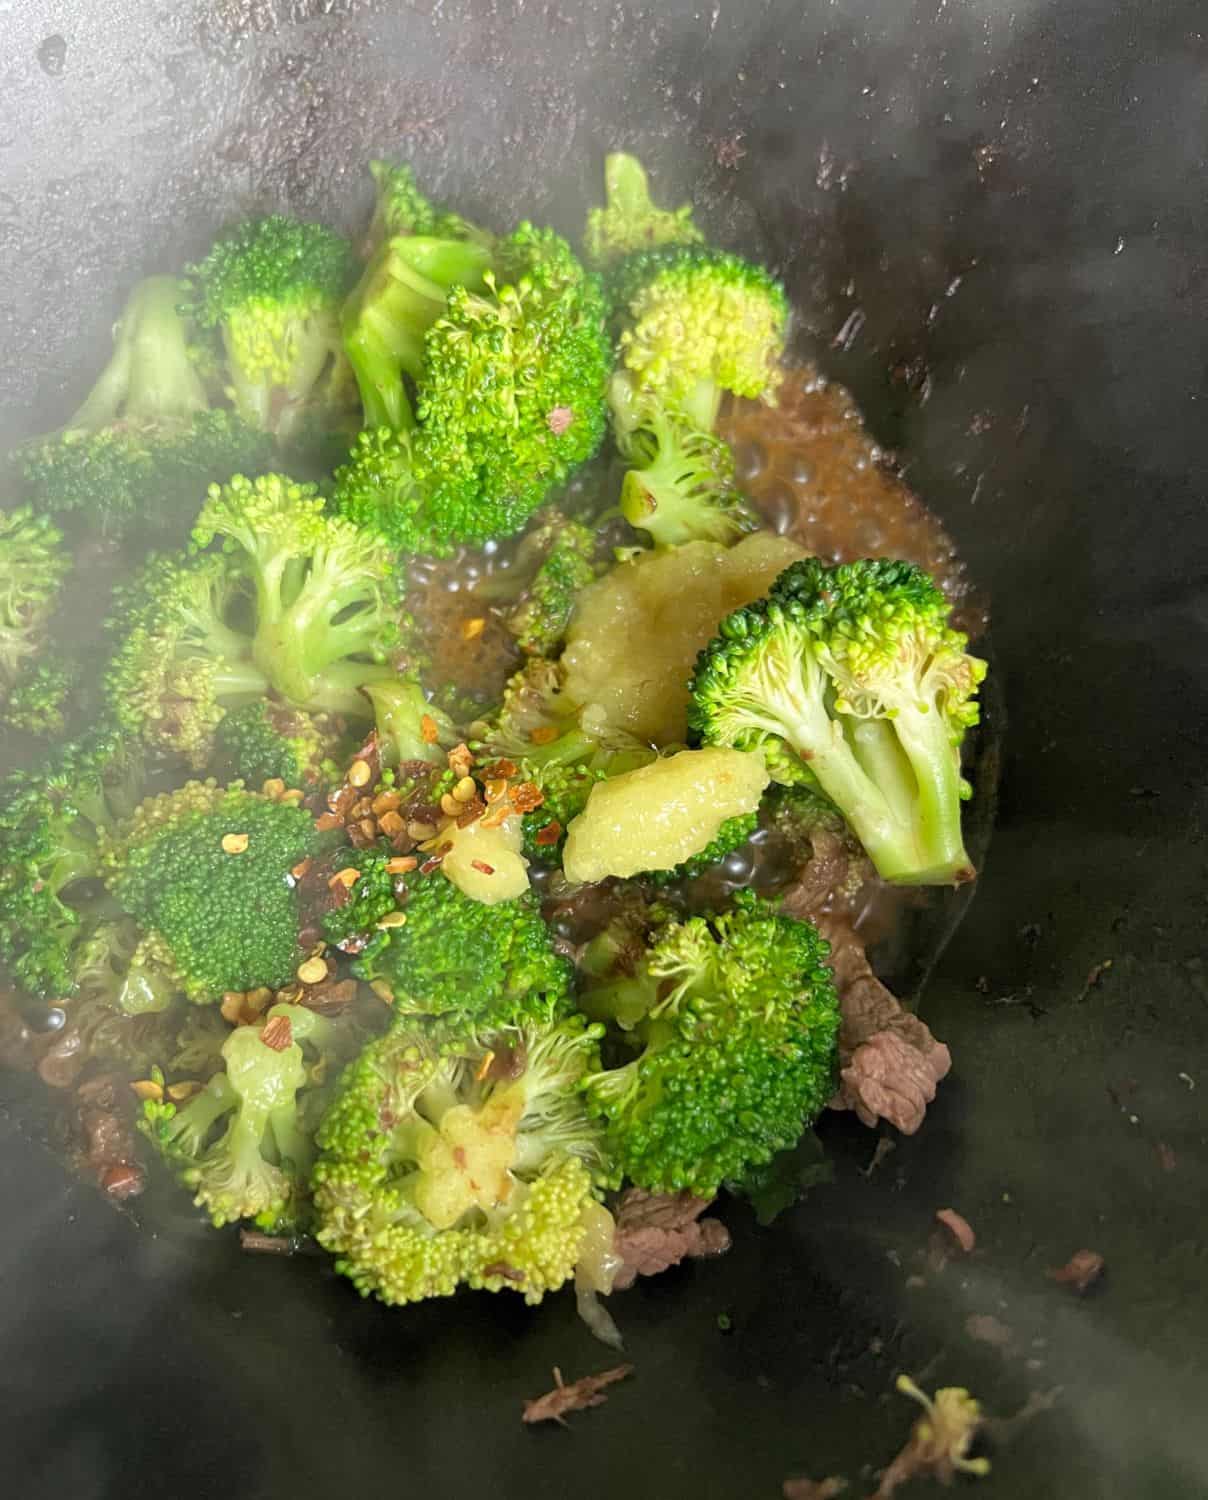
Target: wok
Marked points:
1010	198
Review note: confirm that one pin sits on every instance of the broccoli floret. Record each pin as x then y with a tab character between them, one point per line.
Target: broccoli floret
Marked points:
555	560
694	322
179	666
409	727
39	700
735	1020
855	671
51	825
732	834
327	596
266	741
630	219
207	869
458	957
680	485
272	287
507	356
296	601
402	209
136	458
33	566
259	1167
461	1162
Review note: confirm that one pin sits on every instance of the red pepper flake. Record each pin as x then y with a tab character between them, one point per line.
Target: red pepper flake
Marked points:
544	734
482	867
278	1033
1081	1271
501	1268
430	864
559	420
527	796
549	835
502	770
428	729
125	1180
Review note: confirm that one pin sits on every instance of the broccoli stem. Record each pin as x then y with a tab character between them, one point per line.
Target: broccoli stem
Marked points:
399	297
150	376
940	852
399	708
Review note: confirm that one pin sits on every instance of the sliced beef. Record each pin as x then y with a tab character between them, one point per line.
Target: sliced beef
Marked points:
658	1230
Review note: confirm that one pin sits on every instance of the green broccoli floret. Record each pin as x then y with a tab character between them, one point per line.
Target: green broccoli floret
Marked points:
51	825
179	666
409	726
734	1019
353	924
556	559
402	209
272	287
456	957
483	377
136	458
461	1162
259	1167
855	671
33	566
266	741
694	323
39	701
732	834
630	219
207	870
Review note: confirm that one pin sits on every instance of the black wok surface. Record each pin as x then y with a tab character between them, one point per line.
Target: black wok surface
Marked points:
1012	196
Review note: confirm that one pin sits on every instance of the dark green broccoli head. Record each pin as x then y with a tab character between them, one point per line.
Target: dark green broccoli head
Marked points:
272	287
454	1160
33	566
51	825
39	701
735	1019
267	741
456	957
630	219
854	673
507	365
209	870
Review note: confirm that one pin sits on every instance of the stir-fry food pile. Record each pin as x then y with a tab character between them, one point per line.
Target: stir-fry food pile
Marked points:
479	975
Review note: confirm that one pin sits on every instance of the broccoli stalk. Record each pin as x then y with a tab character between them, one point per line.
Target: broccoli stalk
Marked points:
137	455
734	1020
409	728
856	674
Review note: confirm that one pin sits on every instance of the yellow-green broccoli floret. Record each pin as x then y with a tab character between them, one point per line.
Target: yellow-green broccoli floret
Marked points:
207	868
33	566
630	220
854	679
456	1161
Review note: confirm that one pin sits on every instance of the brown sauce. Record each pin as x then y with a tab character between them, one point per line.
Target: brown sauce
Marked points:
816	475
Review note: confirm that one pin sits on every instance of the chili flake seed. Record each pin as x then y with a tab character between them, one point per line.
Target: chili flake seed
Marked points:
313	971
466	789
234	843
449	805
385	802
232	1007
179	1092
484	1067
393	919
527	796
147	1088
420	831
359	773
327	821
428	729
544	734
300	869
293	796
273	788
402	865
346	877
472	629
460	760
278	1033
482	867
290	995
549	835
368	827
392	824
